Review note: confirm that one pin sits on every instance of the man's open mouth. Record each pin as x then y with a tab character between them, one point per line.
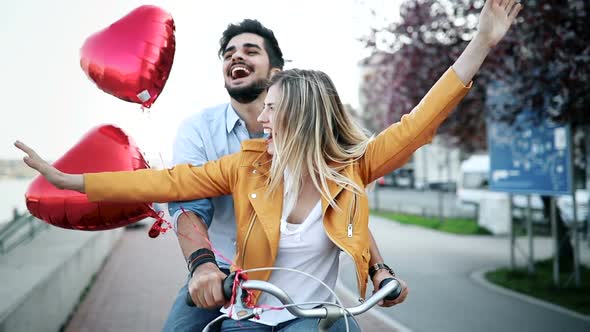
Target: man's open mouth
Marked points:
239	71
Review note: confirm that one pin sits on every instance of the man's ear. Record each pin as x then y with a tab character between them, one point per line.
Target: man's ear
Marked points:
273	71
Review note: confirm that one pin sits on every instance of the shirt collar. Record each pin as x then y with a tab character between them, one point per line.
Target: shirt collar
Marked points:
232	119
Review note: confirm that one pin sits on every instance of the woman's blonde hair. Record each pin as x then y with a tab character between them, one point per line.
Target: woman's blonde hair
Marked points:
316	137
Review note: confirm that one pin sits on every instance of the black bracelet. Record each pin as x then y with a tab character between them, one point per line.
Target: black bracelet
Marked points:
199	257
379	266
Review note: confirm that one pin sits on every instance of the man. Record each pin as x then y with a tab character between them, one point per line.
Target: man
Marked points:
251	55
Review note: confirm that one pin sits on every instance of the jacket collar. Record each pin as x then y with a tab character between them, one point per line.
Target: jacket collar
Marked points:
262	166
255	145
334	188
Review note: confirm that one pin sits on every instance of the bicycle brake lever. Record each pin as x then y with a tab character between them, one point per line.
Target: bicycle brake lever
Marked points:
241	312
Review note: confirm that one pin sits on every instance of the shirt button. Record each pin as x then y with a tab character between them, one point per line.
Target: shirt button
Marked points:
253	195
253	171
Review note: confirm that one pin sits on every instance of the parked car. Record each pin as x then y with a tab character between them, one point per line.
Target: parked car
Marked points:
385	181
443	186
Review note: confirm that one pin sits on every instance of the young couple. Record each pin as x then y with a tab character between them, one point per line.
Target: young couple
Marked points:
296	166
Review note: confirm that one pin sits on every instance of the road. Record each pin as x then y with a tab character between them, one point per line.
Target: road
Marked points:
443	296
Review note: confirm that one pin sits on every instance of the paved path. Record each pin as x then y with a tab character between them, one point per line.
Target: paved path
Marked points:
443	296
135	289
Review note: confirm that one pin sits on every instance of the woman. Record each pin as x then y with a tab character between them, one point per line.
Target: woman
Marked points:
312	166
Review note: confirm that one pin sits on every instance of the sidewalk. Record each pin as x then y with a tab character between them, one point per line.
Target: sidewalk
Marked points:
41	280
443	296
136	287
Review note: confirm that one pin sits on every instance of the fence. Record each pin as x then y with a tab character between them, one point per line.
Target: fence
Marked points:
20	230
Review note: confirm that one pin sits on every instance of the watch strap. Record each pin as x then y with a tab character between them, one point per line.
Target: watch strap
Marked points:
380	266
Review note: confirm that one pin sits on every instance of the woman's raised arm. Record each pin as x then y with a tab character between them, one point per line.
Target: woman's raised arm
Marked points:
495	20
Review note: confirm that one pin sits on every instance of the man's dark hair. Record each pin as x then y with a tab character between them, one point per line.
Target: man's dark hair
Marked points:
271	45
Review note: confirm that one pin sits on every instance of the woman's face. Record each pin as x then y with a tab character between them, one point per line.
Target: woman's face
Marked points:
266	118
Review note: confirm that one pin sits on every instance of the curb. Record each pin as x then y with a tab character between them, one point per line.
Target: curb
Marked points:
478	277
375	313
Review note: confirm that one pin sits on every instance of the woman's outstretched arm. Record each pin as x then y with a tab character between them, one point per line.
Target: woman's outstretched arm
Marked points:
56	177
495	20
183	182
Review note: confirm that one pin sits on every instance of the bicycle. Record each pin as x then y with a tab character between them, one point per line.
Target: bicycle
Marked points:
328	313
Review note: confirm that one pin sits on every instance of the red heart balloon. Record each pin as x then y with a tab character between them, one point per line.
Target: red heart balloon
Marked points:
104	148
132	58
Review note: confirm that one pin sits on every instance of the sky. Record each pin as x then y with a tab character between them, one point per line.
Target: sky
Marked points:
48	102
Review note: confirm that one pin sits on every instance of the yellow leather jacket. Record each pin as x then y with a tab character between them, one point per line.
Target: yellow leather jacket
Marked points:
244	175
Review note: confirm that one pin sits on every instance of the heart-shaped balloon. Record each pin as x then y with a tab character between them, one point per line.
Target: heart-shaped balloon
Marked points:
132	58
104	148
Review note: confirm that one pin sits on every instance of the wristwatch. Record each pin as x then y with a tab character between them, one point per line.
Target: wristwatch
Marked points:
380	266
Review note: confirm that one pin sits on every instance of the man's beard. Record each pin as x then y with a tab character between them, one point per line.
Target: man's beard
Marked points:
247	94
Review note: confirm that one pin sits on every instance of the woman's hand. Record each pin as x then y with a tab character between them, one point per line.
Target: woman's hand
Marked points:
494	22
495	19
382	275
56	177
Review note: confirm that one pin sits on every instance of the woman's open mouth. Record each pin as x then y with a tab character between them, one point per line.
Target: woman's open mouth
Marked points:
267	134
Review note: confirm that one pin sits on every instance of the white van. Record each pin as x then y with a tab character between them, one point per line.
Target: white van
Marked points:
473	188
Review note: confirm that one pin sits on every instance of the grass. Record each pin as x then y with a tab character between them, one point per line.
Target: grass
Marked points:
540	285
449	225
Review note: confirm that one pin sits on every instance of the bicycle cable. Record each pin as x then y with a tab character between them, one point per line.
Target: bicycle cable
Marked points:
338	304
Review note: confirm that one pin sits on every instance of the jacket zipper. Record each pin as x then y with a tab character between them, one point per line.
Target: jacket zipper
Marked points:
352	214
252	220
358	276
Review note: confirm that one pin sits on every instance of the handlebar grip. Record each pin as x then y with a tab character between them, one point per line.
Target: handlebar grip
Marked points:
394	294
189	300
227	287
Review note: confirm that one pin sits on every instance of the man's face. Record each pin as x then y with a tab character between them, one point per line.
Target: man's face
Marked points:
246	67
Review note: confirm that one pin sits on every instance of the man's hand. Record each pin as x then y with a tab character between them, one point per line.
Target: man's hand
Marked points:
382	275
495	19
205	287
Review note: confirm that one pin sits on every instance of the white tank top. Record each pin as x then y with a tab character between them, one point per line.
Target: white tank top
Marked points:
304	247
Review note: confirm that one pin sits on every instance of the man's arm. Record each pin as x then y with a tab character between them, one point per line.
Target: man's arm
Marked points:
192	220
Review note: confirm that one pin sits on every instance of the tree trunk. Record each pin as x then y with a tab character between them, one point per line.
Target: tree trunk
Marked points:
566	250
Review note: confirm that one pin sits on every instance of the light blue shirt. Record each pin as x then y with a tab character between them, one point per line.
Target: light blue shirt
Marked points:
205	136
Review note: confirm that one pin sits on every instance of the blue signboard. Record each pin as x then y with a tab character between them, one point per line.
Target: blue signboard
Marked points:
530	157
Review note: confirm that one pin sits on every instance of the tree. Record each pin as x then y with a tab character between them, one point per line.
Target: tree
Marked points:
407	58
545	59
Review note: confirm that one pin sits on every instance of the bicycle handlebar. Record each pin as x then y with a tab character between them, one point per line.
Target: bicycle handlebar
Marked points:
389	289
